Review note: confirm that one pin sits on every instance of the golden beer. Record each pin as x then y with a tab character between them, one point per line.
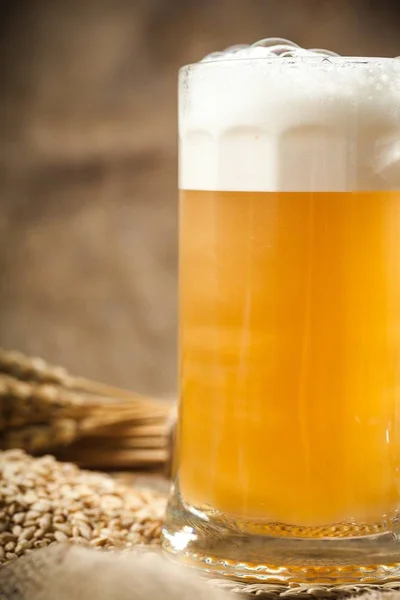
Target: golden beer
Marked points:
287	458
290	388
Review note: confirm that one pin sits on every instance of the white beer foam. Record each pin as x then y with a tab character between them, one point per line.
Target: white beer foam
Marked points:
276	117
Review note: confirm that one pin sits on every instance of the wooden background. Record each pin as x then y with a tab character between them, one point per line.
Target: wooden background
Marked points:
88	203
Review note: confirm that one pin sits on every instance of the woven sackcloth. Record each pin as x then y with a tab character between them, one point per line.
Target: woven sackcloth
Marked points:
62	572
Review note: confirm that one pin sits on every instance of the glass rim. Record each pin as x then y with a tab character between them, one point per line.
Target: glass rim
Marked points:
285	60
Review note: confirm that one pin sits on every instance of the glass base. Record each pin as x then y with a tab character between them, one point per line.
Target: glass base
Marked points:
216	545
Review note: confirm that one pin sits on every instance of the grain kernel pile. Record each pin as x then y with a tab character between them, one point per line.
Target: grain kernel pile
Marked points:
43	501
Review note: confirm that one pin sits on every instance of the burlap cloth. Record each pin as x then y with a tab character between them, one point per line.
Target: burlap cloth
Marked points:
68	572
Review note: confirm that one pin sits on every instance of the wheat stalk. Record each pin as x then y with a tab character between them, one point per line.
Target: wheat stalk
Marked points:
43	408
116	458
41	417
27	368
23	402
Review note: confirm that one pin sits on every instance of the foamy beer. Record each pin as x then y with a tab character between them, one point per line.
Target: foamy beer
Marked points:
287	459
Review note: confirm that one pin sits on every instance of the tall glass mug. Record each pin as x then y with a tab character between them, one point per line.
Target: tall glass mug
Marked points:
287	450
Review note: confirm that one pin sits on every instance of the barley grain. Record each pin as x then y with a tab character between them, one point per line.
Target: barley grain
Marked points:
41	506
44	501
59	536
40	543
58	519
45	523
32	515
99	542
22	546
19	518
39	533
64	528
85	530
27	533
9	547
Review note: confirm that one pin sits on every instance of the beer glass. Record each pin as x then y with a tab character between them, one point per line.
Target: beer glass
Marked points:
287	450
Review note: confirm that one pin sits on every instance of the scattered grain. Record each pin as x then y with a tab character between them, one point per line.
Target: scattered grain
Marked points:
64	528
9	547
59	536
17	530
18	518
44	501
27	533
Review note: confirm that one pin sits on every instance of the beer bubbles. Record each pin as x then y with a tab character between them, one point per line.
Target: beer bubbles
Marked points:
267	48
